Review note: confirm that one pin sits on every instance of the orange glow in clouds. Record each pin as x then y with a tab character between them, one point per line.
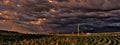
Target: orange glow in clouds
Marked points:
0	13
8	14
52	10
38	22
6	2
52	1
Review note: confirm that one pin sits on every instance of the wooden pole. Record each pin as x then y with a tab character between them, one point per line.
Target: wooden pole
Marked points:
12	27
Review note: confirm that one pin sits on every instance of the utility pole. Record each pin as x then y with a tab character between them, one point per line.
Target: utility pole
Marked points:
78	29
12	28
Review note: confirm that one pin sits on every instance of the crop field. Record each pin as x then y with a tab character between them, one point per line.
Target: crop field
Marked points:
13	38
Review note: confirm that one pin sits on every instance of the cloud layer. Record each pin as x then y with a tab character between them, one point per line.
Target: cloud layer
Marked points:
40	16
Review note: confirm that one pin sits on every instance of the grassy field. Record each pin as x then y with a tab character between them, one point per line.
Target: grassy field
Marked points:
14	38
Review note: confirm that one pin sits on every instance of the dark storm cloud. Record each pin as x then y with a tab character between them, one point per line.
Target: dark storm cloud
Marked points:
25	15
1	0
90	4
1	8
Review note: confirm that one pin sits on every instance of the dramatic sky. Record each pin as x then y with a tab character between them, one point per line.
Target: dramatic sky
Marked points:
59	16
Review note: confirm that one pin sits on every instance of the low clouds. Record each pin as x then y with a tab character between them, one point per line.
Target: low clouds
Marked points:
30	16
89	4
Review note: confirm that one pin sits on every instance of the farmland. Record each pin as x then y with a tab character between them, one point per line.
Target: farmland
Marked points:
14	38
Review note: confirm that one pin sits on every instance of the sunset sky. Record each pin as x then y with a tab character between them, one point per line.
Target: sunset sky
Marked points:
54	16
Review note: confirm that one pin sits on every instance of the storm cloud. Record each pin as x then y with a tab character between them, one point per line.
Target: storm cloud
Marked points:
59	16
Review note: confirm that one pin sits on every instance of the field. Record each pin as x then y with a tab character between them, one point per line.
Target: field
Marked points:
14	38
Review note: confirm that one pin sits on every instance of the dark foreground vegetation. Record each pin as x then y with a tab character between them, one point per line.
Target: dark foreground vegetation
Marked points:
14	38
